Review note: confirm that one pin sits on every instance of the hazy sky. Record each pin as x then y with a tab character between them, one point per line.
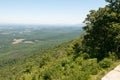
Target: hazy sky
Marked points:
46	11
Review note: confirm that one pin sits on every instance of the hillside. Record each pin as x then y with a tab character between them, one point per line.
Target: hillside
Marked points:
58	63
62	56
17	44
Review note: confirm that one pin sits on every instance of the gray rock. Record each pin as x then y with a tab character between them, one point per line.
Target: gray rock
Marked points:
113	75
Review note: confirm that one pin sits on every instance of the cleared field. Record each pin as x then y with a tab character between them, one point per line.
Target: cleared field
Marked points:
16	41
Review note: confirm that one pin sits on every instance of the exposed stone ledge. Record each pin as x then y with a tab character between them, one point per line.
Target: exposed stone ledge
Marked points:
113	75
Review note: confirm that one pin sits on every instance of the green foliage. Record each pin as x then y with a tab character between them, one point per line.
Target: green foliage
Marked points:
91	66
50	67
80	59
103	30
113	56
85	55
106	63
47	76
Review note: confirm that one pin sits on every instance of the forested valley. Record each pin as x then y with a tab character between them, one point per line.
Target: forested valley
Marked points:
89	57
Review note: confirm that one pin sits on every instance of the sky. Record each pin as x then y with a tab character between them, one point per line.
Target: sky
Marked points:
46	11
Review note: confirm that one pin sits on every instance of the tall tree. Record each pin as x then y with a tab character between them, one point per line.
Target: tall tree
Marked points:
103	30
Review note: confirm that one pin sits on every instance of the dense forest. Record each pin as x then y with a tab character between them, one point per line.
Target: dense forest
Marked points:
89	57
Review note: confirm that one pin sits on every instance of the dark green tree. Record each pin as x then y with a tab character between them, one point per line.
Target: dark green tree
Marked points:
103	30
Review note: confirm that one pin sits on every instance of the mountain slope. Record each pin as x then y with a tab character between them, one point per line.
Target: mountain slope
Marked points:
57	63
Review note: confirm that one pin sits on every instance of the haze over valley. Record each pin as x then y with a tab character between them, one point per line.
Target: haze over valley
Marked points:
59	39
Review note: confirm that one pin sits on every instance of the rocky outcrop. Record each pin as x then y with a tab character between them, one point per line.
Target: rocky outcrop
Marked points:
113	75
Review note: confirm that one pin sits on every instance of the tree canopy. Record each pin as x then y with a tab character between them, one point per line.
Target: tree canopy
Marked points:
103	30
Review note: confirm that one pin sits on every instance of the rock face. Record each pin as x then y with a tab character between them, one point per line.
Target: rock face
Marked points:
113	75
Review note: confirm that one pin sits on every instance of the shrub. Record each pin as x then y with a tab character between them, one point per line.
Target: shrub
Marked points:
105	63
47	76
90	66
85	55
113	56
